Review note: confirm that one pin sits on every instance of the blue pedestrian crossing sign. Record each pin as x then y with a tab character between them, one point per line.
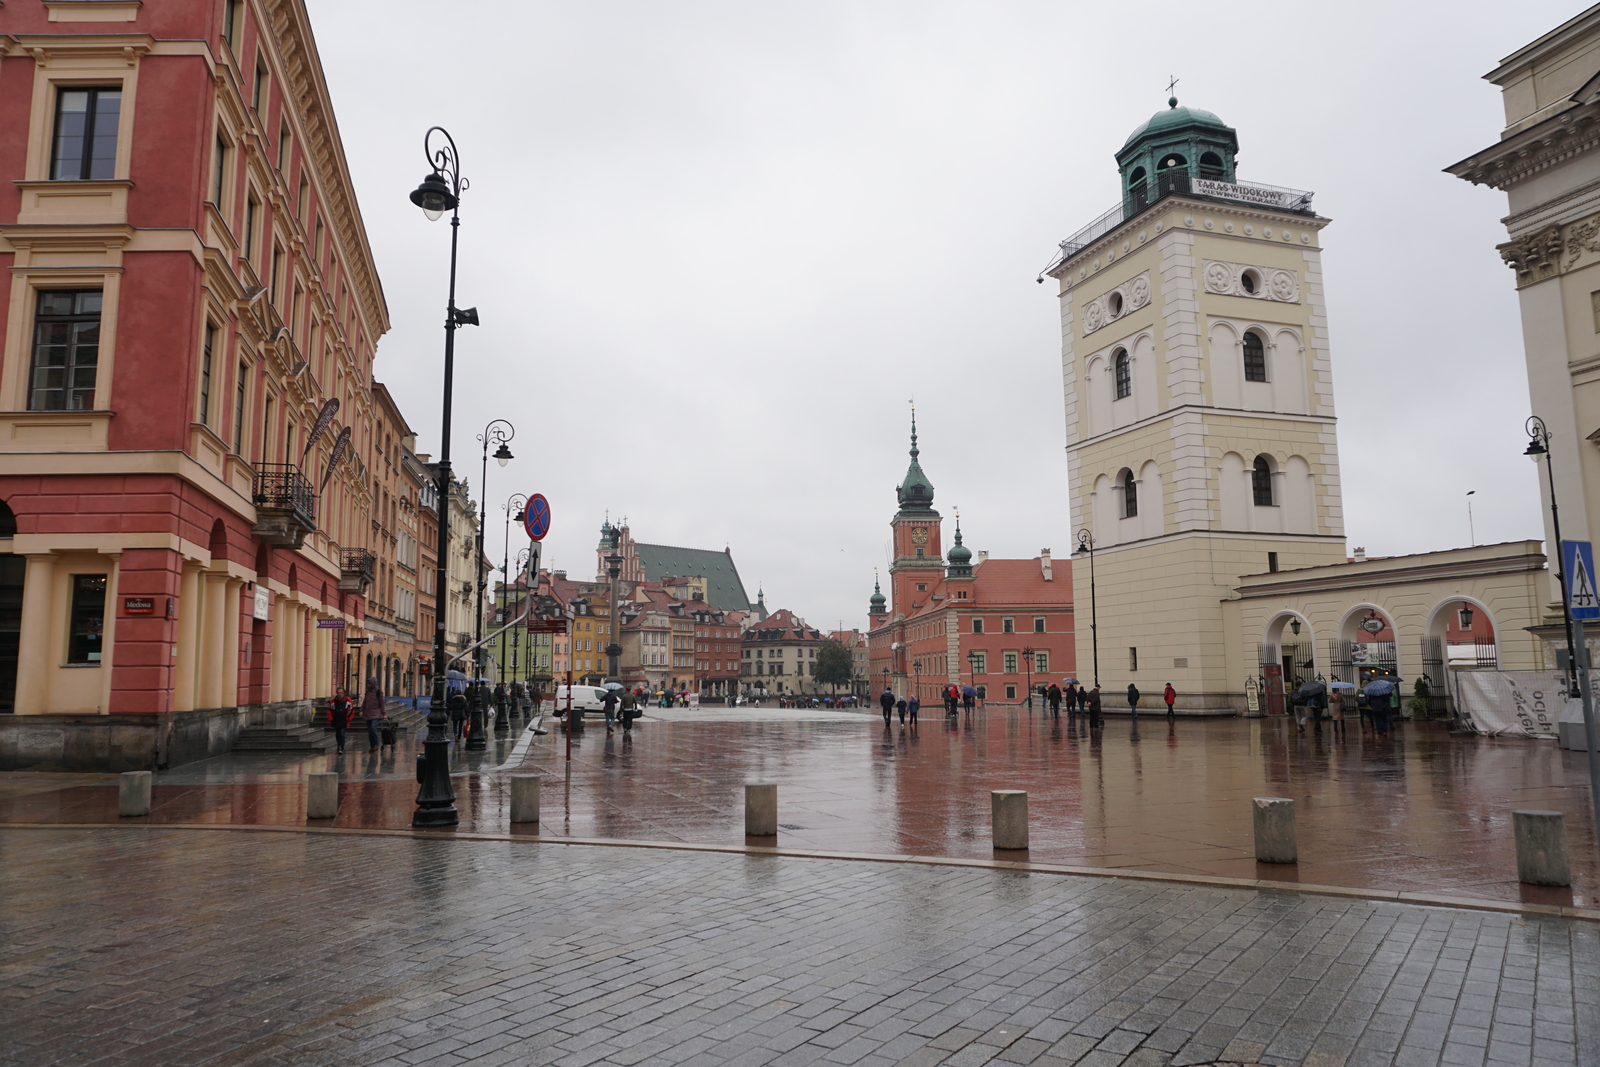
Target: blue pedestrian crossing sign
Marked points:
1577	560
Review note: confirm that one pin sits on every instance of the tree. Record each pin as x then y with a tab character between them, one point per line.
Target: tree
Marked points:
834	665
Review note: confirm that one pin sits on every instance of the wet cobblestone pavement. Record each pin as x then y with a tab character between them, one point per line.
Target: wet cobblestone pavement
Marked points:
1422	813
142	945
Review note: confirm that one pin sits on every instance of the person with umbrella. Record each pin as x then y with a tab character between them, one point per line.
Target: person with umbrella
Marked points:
1070	696
1308	697
1381	694
969	698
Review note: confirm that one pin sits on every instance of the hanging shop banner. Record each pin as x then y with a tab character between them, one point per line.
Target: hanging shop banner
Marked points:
340	445
329	410
263	603
1511	703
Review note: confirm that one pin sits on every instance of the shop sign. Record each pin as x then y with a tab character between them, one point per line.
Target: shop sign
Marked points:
330	624
355	640
138	605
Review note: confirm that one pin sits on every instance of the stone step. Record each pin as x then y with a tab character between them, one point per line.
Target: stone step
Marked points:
282	739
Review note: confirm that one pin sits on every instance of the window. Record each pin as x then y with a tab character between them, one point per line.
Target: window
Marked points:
1038	624
88	618
1041	662
238	411
252	212
1010	659
1250	282
977	626
1272	562
1133	660
1594	302
66	350
1130	494
205	375
1255	358
1011	692
980	662
922	587
1114	305
86	134
1211	166
219	166
1123	375
255	89
283	147
272	277
230	20
1261	482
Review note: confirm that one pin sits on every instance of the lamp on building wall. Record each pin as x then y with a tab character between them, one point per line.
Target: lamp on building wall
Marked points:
1466	616
1086	546
439	192
1294	627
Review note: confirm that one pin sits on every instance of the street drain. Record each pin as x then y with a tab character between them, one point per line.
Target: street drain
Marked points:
789	826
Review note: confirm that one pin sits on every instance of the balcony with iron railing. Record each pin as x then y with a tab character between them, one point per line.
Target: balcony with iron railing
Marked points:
1179	183
357	570
286	505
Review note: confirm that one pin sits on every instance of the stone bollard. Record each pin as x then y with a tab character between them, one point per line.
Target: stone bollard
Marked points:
1541	847
761	809
322	795
525	797
1275	836
1009	813
133	793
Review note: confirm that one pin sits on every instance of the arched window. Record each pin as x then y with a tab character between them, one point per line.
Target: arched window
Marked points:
1211	166
8	521
1255	358
1130	494
1136	186
1261	482
1123	374
1172	162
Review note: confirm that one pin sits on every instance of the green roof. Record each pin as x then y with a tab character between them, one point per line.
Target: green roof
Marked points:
724	589
1174	117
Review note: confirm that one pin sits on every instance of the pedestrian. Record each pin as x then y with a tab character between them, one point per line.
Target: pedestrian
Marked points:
609	703
1070	695
1133	700
1083	699
1053	695
1170	695
339	709
952	700
499	698
1094	708
1301	713
912	706
969	699
629	710
372	709
1336	713
886	701
900	706
458	712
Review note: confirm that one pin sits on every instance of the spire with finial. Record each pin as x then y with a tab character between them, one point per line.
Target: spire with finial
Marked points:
878	605
1172	96
959	556
916	492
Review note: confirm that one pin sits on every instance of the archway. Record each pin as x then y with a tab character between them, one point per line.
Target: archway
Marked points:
1367	646
1287	658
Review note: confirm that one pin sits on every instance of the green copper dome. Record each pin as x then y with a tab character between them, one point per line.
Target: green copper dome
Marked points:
916	492
1174	117
879	604
960	557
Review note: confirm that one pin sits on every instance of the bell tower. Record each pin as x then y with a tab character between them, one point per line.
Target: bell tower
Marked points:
918	561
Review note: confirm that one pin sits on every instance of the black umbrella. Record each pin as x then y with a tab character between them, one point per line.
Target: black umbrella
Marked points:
1309	691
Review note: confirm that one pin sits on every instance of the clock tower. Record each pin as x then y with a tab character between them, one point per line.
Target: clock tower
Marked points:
918	558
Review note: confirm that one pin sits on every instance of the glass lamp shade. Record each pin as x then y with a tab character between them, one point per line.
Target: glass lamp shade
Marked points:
503	455
433	196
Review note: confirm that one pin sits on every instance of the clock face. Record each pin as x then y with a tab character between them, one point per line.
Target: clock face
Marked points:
919	535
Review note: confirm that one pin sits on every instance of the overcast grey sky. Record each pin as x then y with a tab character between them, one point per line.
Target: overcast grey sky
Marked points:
716	247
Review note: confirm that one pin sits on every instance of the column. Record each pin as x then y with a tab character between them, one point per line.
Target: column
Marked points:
279	644
212	659
297	681
183	683
230	643
108	639
34	657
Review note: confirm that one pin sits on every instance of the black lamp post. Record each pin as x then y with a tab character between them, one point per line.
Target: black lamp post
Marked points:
1086	546
439	192
497	432
614	572
1539	445
502	723
916	669
1027	658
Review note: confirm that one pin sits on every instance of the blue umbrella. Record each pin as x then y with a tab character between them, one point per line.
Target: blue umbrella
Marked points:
968	691
1379	687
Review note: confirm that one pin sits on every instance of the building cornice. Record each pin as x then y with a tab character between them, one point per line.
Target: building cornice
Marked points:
1364	575
1555	140
1151	420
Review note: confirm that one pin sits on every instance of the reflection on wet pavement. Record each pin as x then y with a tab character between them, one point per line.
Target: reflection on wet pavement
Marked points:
1425	812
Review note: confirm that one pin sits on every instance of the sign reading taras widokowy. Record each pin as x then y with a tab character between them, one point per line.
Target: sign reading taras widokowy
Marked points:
1511	703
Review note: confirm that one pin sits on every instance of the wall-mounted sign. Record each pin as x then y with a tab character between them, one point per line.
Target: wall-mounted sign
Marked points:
138	605
330	624
355	640
263	608
1373	625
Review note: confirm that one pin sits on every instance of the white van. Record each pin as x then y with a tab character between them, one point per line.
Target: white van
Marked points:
586	697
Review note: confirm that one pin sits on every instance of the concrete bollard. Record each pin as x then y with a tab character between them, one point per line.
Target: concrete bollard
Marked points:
133	793
1541	847
1275	835
525	797
1009	812
761	809
322	795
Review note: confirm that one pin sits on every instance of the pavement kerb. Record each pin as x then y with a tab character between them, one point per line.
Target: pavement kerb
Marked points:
1391	895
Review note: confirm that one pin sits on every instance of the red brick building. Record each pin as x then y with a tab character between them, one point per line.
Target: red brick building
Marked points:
186	368
1000	625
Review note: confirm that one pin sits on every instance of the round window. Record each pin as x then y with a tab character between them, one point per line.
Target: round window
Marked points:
1115	304
1250	282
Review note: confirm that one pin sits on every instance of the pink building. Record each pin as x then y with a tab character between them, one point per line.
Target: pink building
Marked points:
186	367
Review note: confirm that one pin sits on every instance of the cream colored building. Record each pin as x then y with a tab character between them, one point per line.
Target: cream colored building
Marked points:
1199	407
1547	161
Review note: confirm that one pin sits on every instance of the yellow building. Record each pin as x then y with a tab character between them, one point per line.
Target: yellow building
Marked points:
1199	407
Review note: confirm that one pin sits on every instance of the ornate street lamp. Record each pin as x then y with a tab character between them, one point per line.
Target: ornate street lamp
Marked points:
498	433
1086	545
916	668
439	192
614	572
1027	658
513	509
